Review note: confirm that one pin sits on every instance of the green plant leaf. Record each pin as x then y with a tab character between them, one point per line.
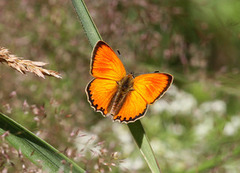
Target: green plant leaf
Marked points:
136	128
35	149
87	22
141	139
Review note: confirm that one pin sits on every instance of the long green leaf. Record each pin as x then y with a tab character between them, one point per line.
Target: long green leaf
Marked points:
87	22
35	149
136	128
141	139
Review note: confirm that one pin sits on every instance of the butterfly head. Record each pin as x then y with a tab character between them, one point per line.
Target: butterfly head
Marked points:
132	74
126	84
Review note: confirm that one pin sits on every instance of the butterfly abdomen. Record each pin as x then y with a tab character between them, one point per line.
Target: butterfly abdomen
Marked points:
124	87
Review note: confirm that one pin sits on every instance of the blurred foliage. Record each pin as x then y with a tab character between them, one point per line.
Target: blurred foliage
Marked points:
194	128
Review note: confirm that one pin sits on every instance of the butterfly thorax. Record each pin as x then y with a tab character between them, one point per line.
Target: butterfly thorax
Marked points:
125	86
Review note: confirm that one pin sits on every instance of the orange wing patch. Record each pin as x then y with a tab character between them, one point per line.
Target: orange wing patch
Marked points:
100	93
105	63
152	86
133	108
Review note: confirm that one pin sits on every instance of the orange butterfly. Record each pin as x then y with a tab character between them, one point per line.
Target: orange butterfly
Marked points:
113	92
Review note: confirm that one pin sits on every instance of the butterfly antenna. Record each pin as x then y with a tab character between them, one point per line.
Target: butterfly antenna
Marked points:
132	74
119	53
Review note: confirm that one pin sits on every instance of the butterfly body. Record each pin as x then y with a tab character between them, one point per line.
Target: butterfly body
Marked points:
121	95
125	85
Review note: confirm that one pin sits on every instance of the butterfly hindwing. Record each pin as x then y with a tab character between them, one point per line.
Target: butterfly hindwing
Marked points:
100	93
133	108
152	86
105	63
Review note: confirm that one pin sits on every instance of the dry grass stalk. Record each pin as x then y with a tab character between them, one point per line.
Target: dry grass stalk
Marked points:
24	66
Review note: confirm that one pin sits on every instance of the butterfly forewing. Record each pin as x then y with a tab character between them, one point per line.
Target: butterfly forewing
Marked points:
152	86
106	64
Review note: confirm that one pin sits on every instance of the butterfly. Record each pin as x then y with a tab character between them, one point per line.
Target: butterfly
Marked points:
115	93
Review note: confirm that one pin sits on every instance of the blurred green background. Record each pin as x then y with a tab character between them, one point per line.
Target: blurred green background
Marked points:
195	127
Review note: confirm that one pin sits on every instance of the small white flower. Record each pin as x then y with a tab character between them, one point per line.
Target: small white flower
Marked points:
232	127
202	129
182	103
158	146
86	142
125	138
132	164
160	106
213	107
176	129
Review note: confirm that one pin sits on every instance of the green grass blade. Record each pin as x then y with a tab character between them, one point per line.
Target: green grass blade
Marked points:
136	128
35	149
87	22
142	142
